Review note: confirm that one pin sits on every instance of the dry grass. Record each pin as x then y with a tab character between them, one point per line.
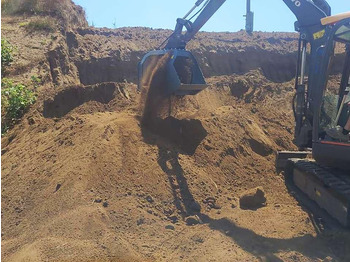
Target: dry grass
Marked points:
41	24
65	10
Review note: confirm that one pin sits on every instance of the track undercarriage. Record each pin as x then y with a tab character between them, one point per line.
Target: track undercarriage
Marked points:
328	187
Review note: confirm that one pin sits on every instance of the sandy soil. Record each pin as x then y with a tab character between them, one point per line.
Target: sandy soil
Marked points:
83	180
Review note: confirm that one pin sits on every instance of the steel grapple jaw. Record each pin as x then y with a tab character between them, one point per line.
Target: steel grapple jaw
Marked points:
179	69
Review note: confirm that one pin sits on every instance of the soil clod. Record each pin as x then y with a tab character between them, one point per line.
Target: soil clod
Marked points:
253	199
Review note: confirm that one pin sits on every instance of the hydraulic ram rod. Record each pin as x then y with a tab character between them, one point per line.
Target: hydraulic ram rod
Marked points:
198	3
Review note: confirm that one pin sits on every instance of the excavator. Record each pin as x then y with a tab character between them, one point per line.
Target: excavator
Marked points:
321	99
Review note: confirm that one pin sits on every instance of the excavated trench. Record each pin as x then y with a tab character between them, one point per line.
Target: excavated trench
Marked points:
71	98
275	67
95	57
108	69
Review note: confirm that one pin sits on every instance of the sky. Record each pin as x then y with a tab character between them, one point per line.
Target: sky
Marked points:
269	15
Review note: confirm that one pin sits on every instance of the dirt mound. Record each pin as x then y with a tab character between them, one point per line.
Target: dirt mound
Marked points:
88	182
84	180
68	14
75	97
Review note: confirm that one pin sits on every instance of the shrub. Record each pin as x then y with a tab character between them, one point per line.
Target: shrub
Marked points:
41	24
65	10
15	101
6	54
19	6
33	6
36	81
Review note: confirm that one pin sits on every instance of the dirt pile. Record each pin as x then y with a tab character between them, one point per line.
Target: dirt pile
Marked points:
68	14
83	180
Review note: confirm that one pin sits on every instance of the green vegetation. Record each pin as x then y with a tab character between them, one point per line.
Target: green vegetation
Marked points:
23	24
64	10
15	98
41	24
36	81
28	6
15	101
6	54
19	6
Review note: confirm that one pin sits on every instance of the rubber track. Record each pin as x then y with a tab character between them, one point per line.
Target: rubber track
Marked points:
337	181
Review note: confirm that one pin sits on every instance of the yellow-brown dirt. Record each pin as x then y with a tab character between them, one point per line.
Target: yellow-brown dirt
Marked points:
84	180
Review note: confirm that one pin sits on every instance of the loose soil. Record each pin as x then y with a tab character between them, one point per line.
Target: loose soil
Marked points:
86	178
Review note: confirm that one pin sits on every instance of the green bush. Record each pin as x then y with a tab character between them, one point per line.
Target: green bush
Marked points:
6	54
41	24
15	101
36	81
19	6
30	6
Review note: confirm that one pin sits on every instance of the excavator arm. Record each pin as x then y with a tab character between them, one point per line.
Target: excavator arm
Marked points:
178	39
308	12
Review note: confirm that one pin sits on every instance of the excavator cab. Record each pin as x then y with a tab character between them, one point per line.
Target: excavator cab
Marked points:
333	95
182	74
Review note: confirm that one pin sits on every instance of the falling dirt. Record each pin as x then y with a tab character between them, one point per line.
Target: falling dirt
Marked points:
88	176
154	102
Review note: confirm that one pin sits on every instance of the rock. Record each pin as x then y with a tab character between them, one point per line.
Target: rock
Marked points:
170	227
105	204
192	220
253	199
149	199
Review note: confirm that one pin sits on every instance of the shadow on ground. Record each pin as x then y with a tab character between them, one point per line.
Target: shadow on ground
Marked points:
69	99
174	137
